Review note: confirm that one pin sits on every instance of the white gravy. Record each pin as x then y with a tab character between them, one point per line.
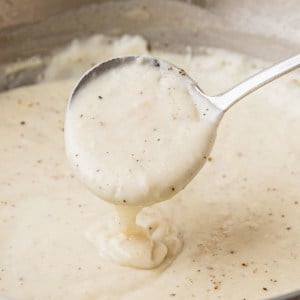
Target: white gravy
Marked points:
238	218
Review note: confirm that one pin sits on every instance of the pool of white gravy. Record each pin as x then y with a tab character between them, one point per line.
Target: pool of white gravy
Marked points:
238	218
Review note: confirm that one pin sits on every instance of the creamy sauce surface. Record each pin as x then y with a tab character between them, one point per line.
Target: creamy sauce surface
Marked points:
238	218
138	133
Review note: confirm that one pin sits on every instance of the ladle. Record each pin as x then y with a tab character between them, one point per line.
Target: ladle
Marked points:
218	104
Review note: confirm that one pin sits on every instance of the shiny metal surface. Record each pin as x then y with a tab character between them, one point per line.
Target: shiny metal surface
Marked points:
20	12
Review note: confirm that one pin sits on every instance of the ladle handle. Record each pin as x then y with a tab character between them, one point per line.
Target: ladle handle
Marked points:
225	100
